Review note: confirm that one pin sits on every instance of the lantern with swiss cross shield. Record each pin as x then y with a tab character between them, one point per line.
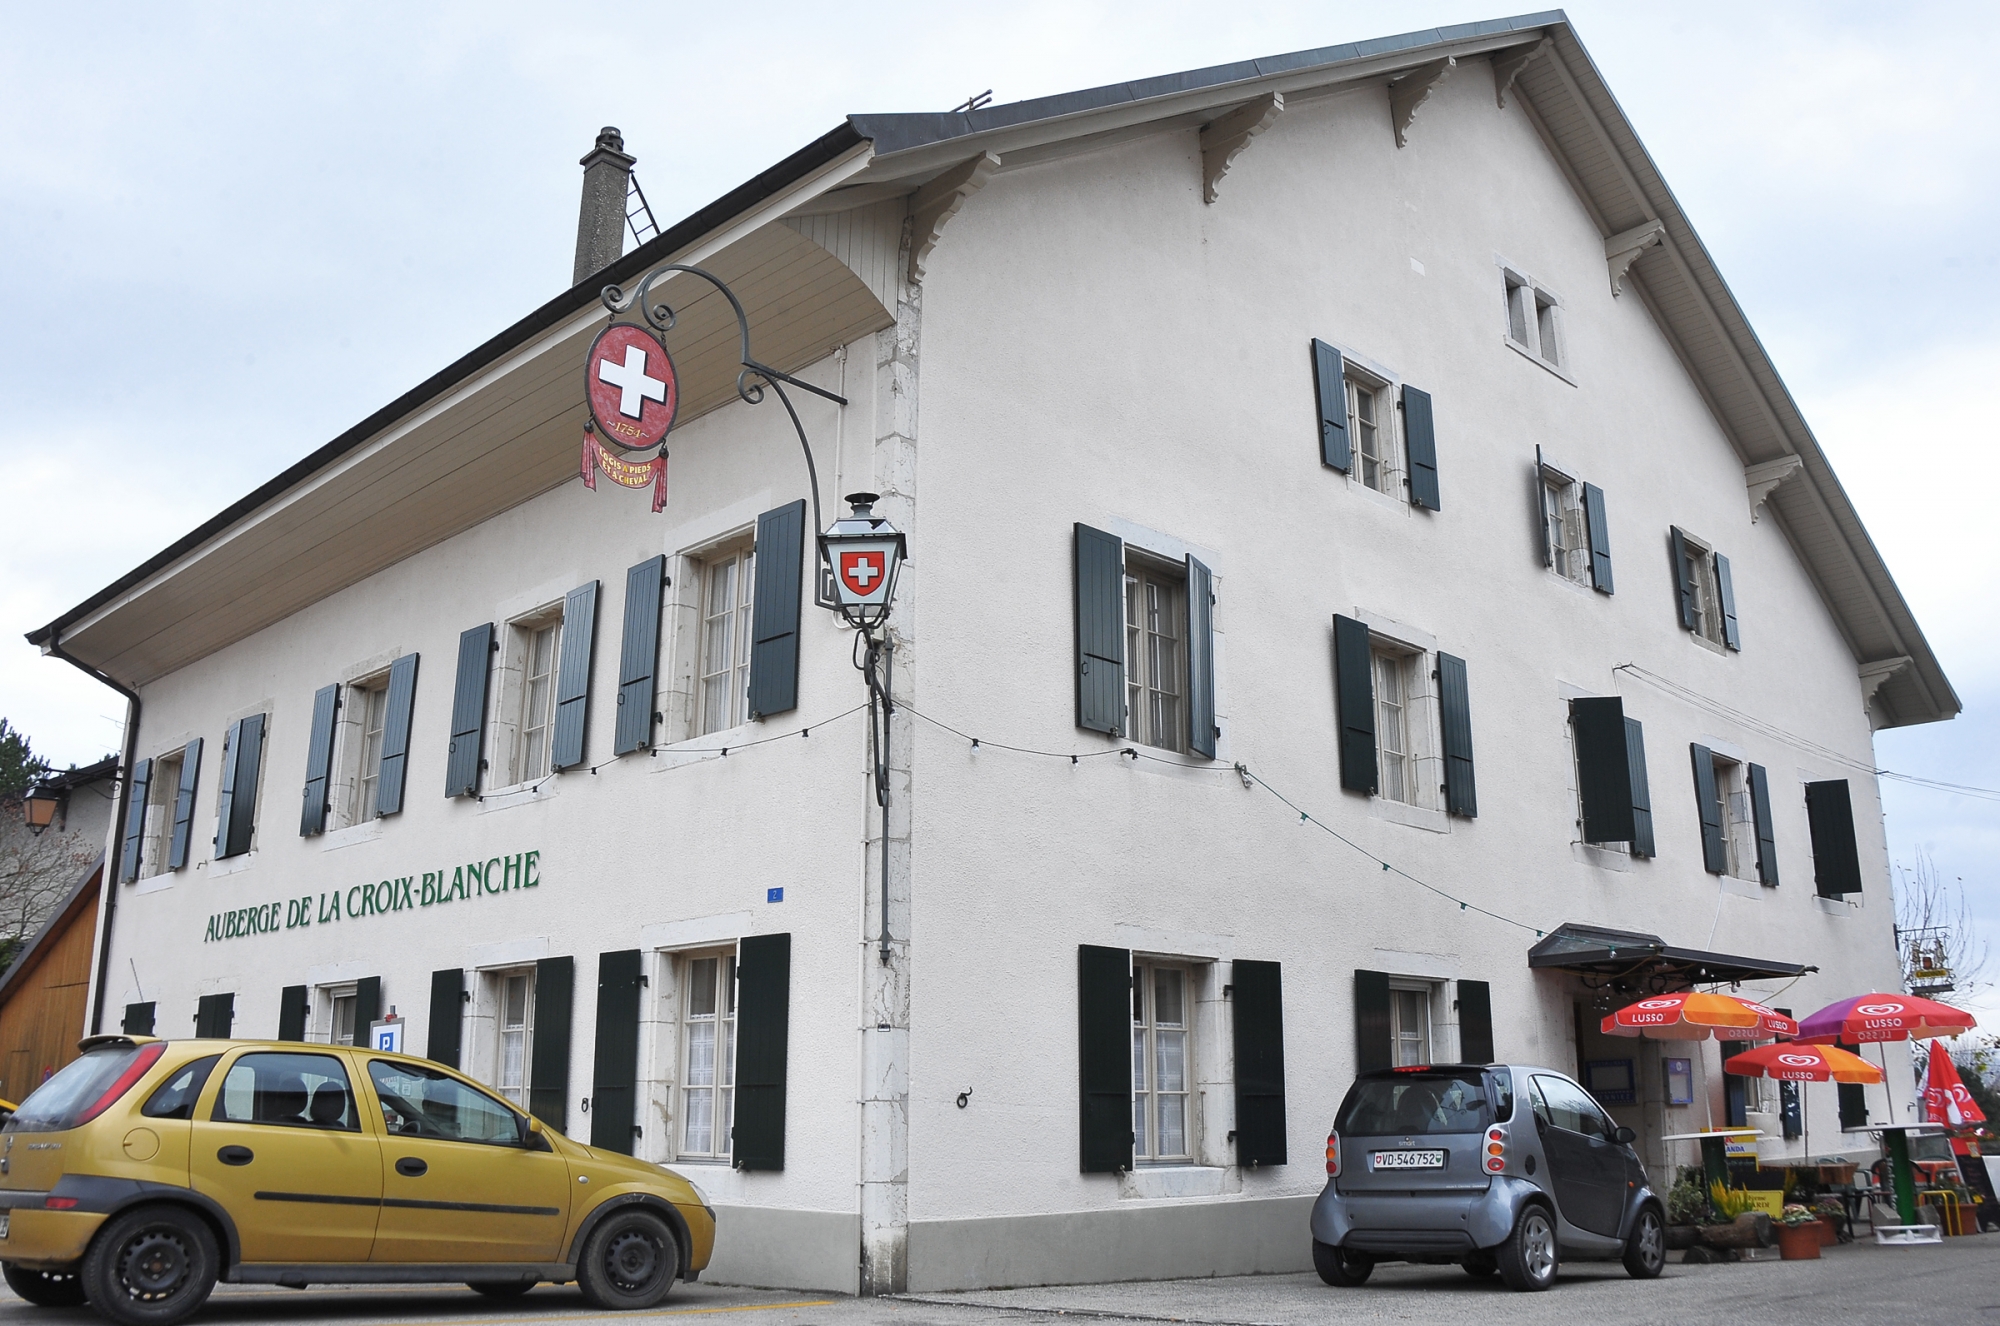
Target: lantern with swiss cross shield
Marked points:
864	551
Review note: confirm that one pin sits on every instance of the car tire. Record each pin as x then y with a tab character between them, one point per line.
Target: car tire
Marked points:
630	1260
1480	1265
1530	1256
1646	1249
151	1266
501	1288
1339	1267
45	1289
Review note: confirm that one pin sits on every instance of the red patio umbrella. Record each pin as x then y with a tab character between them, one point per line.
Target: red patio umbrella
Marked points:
1885	1017
1945	1098
1803	1063
1694	1015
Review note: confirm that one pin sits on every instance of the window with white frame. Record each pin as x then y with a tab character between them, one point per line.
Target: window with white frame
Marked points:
367	706
1156	653
1410	1023
1162	1008
535	649
1534	317
513	995
1733	812
333	1015
162	795
1569	542
1698	566
1371	422
708	1054
1408	768
728	585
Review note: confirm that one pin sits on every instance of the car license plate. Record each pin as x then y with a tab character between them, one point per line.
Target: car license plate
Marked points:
1409	1160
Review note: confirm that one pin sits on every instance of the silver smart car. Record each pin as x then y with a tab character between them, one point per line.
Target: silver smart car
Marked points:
1497	1167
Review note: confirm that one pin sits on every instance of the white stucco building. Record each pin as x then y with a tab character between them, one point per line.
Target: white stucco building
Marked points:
1361	434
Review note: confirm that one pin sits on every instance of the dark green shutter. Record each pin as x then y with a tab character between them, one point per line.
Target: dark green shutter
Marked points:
214	1015
137	791
1714	845
1677	549
1767	836
177	850
548	1072
639	655
579	643
468	711
763	1038
1201	659
1354	692
447	1016
1542	509
774	610
319	761
138	1020
1603	768
1330	386
1599	531
1853	1096
242	757
1475	1022
1373	1037
294	1002
1836	858
1642	796
1100	630
398	707
1258	1023
1104	1058
614	1078
1735	1099
1420	439
1461	796
367	1008
1726	590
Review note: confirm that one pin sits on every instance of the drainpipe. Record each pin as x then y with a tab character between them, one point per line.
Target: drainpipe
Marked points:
108	899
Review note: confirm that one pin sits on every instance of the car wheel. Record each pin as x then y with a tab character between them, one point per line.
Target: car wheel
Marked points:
150	1267
1527	1260
1480	1265
500	1288
45	1289
1339	1267
630	1260
1646	1250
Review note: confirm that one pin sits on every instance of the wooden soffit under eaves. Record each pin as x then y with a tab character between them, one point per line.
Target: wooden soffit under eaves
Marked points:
1678	280
490	444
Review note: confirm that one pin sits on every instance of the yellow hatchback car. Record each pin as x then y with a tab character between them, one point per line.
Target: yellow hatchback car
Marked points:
146	1170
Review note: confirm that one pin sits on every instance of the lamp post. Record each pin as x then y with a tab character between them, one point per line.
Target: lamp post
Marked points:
40	808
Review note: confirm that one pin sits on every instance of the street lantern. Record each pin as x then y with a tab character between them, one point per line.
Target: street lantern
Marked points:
40	807
865	551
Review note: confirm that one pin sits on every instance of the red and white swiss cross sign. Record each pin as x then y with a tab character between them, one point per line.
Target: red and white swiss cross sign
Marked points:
861	571
631	385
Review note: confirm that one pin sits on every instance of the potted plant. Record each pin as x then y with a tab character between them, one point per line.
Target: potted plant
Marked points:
1798	1233
1687	1208
1833	1215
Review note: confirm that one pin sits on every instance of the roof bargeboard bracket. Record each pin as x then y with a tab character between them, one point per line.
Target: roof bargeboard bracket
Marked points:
1623	249
939	201
1409	92
1507	66
1224	137
1876	671
1762	478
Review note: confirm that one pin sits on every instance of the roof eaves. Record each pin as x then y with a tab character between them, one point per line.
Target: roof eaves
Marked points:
25	959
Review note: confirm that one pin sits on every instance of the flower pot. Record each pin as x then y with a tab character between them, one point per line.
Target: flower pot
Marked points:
1799	1243
1829	1233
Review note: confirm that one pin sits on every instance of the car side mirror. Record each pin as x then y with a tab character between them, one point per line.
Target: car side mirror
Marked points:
1623	1136
534	1139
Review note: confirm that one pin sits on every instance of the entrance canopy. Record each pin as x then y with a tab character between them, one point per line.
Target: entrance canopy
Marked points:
1630	962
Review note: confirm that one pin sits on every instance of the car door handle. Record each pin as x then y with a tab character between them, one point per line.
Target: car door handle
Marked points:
236	1155
411	1167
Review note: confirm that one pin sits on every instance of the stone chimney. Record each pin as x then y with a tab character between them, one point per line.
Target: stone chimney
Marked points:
600	227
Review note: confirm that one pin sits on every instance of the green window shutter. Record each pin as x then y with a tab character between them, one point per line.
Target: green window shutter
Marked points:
1330	387
1475	1022
1354	693
241	761
137	792
1599	531
1258	1024
1735	1102
293	1004
774	610
1420	440
579	642
367	1008
214	1015
1642	796
319	761
1104	1058
639	655
763	1038
398	707
177	848
1100	630
615	1073
1541	491
1373	1038
1603	768
1714	846
468	711
447	1016
1830	819
1726	591
1767	836
138	1020
548	1072
1461	796
1683	580
1201	659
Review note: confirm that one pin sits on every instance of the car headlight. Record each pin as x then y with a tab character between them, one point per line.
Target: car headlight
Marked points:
699	1195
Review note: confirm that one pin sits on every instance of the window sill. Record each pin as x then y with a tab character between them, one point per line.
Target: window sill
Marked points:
520	794
1604	858
154	883
1536	359
707	746
1166	1181
1583	587
1389	500
1708	644
1416	817
233	865
365	832
1838	906
1742	888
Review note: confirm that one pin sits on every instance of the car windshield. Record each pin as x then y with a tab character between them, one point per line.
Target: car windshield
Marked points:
1431	1102
55	1105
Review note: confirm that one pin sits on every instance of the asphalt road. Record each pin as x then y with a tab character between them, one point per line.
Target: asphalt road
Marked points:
1857	1285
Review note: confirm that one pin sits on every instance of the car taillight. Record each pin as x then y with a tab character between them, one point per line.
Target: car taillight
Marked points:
1496	1150
1332	1154
148	1056
60	1203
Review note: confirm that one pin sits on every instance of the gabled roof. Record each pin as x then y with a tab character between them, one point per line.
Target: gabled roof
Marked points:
1561	92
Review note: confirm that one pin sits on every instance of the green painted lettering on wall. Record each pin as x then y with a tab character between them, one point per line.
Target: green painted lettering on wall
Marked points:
405	893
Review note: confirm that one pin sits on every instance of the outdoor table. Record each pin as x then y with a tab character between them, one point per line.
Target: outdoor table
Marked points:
1714	1150
1896	1141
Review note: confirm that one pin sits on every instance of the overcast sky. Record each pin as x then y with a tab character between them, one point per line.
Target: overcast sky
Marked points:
229	232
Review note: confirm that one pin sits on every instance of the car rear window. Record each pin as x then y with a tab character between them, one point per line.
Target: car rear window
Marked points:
56	1103
1430	1102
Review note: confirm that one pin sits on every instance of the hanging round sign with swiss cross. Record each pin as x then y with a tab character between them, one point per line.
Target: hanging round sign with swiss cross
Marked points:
631	385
